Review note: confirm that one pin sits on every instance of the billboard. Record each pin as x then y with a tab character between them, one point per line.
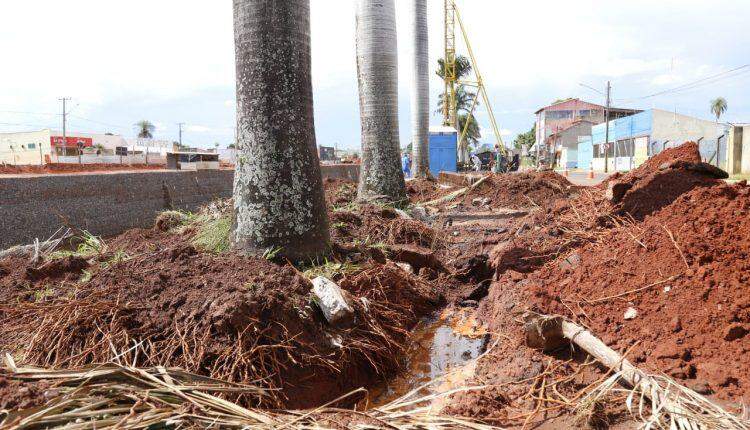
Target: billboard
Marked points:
71	142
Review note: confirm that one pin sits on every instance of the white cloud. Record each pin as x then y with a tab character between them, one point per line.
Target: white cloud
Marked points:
505	132
198	129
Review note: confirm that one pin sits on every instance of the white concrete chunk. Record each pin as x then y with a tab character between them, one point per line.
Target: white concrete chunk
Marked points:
631	313
331	300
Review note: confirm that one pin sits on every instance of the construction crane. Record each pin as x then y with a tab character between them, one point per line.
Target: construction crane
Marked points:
452	81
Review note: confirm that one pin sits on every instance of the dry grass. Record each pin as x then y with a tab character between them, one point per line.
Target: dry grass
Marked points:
126	397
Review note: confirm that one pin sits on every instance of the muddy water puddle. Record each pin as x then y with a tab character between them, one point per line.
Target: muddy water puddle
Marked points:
440	345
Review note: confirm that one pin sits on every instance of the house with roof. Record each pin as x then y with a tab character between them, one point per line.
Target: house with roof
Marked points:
560	125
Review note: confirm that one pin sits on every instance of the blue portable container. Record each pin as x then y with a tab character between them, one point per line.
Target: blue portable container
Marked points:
443	150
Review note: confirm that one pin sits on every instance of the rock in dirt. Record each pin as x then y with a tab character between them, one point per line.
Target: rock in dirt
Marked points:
331	299
419	213
701	387
631	314
406	267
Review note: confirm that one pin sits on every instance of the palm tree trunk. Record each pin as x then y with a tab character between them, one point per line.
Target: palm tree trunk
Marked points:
377	70
278	190
420	99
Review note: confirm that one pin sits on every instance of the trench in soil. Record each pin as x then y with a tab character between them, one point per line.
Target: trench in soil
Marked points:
440	345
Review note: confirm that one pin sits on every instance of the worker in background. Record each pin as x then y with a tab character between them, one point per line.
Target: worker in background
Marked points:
476	161
406	164
498	162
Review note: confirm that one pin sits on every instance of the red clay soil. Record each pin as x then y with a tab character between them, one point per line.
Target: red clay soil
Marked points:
16	395
425	190
686	270
339	192
228	316
520	190
59	168
378	225
660	180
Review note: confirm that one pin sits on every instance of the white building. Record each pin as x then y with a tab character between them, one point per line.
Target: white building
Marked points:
152	146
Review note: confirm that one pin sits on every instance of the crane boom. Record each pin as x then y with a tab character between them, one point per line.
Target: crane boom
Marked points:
450	116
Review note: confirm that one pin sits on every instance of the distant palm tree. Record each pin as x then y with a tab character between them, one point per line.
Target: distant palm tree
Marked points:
718	107
377	72
145	129
473	133
463	67
464	100
420	98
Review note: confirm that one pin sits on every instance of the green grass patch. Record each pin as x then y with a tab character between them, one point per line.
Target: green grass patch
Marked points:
331	270
213	234
88	246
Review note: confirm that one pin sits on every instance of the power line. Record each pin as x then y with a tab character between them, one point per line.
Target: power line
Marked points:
592	88
697	83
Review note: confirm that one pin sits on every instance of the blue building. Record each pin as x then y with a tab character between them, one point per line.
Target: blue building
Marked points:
443	150
635	138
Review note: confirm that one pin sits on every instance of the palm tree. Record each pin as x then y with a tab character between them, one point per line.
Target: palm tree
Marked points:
377	70
464	100
473	133
718	107
278	190
145	129
463	67
420	99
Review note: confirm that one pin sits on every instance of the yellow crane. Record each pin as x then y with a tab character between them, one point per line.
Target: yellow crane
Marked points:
453	17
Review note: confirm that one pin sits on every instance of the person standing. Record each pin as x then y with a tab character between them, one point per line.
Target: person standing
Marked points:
406	165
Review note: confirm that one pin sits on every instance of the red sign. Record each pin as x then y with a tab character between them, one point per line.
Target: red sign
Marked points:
71	142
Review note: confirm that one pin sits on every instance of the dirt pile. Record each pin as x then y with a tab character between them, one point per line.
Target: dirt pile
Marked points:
425	190
156	299
520	190
565	224
376	225
685	270
340	193
52	168
660	180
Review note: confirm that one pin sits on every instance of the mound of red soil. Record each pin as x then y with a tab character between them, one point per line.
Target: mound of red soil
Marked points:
686	271
425	190
661	179
378	225
52	168
521	190
237	318
339	192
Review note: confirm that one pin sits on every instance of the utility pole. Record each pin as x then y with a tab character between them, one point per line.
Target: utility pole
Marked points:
180	125
64	124
606	128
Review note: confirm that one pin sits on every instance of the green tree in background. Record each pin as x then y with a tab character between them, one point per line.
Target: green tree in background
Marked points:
145	129
525	140
472	133
718	107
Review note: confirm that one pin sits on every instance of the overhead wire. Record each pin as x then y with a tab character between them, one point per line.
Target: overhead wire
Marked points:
708	80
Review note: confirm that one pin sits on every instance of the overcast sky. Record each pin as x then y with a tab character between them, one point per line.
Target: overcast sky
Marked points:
172	61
